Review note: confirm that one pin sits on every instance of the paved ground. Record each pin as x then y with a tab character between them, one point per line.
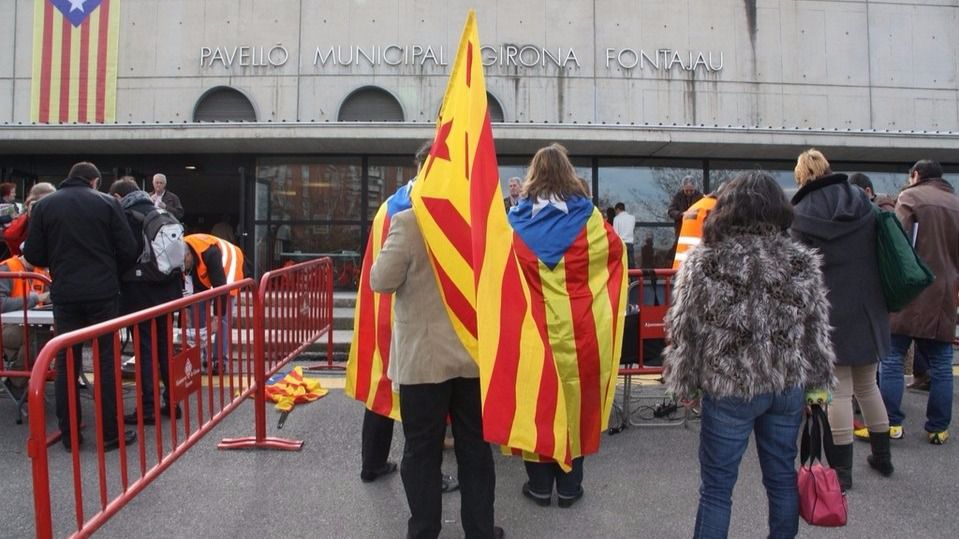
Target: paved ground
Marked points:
643	483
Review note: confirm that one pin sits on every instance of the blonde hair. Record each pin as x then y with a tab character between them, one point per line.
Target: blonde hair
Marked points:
551	174
810	165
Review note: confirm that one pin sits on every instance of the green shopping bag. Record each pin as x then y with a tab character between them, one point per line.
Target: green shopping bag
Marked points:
902	274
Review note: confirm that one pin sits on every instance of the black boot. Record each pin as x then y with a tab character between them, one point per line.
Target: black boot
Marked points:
840	459
881	458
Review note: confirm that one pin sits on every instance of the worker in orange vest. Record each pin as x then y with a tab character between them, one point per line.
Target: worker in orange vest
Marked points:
211	262
691	232
14	294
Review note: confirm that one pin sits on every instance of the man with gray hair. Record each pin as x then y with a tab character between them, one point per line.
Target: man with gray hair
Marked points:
165	199
682	200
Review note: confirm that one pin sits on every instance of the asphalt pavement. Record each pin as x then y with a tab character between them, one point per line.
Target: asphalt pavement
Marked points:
642	483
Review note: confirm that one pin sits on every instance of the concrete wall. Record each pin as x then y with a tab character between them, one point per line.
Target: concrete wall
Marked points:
803	63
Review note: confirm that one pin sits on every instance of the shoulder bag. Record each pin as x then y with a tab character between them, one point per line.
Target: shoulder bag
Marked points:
902	274
821	500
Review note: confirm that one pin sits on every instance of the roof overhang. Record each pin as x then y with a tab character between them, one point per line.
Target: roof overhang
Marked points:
511	139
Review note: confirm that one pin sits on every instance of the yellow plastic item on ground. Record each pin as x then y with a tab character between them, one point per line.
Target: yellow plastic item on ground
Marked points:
294	389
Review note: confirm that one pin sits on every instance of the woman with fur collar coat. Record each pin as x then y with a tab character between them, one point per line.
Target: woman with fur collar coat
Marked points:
749	328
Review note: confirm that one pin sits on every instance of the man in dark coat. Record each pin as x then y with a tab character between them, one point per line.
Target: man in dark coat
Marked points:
83	237
165	199
682	200
138	293
929	211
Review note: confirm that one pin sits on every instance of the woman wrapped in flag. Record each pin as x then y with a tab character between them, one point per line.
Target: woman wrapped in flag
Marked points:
573	267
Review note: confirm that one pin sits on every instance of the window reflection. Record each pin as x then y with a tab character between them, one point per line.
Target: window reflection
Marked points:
386	175
313	189
646	191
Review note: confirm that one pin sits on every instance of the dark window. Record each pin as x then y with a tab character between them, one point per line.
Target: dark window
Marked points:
370	104
224	104
495	110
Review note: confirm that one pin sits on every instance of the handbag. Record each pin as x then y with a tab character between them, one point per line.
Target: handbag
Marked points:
821	500
902	274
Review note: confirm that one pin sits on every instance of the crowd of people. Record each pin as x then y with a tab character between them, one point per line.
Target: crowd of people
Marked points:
108	254
777	306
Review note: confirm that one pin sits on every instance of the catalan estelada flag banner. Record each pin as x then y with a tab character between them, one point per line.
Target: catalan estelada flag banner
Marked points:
75	61
366	369
462	152
551	306
294	389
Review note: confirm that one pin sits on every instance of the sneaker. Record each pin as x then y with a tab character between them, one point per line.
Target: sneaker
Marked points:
568	501
542	500
895	433
129	437
938	438
132	419
920	382
165	411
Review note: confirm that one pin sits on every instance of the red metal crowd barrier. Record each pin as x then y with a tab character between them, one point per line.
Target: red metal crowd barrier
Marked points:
296	309
22	336
650	291
203	399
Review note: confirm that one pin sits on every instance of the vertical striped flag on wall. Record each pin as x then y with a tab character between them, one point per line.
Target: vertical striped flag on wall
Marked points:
74	61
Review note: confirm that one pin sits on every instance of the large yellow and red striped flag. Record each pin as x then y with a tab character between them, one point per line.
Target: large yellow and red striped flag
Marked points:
75	61
462	152
551	294
367	379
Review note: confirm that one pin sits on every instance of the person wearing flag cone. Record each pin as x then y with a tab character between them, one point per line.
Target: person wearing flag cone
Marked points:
557	232
437	378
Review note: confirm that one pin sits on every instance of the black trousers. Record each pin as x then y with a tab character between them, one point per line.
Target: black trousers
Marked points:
542	475
70	317
424	408
377	437
145	362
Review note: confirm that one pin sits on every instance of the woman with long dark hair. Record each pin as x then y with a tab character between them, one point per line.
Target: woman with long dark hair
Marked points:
749	332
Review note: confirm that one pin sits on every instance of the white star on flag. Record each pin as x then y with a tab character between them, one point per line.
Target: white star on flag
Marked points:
77	4
542	203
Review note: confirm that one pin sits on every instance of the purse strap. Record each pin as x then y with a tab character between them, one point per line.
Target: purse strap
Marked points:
816	434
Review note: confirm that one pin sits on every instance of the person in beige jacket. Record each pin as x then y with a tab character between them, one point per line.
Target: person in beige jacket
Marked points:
437	379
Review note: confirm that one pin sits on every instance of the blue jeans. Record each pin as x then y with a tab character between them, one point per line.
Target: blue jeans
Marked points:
223	323
939	356
726	424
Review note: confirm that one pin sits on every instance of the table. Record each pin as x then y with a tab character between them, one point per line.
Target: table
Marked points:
35	317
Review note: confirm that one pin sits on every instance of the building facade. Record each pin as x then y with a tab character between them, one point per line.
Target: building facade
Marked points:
294	119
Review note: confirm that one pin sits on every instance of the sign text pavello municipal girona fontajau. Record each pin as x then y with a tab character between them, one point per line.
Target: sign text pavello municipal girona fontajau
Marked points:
518	56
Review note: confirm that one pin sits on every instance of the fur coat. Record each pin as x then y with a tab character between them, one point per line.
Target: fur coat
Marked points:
749	316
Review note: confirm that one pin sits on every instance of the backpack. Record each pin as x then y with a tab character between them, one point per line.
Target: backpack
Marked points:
163	246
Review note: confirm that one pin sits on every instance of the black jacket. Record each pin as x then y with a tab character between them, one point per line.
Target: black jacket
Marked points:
135	294
82	236
837	219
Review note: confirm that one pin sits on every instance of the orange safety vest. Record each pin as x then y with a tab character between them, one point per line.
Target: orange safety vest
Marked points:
691	232
231	254
19	287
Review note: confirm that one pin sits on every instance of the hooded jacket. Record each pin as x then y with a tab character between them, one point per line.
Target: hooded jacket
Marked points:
837	219
749	317
933	204
82	236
